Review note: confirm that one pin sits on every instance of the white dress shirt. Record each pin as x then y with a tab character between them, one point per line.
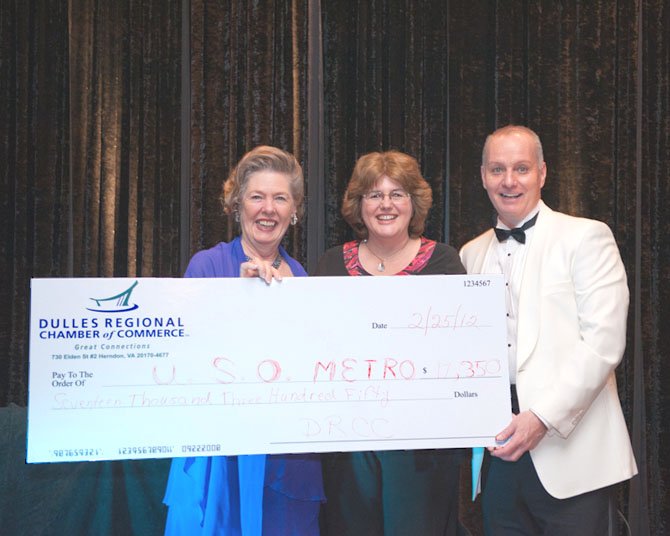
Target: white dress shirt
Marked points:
508	258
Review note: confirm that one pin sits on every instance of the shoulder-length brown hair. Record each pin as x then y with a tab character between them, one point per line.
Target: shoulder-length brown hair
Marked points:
397	166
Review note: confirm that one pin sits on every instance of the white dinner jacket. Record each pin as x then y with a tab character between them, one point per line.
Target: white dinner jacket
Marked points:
572	312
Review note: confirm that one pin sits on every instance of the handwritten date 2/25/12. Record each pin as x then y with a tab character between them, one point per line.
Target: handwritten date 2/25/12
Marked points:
435	320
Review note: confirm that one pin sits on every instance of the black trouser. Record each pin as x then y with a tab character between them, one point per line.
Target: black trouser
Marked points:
514	502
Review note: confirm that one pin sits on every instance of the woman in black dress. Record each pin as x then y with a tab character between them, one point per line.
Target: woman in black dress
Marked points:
388	493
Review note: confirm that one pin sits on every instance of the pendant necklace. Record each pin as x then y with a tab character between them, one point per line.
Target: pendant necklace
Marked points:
381	266
275	263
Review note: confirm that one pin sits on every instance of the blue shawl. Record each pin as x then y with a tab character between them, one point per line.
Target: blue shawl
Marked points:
204	494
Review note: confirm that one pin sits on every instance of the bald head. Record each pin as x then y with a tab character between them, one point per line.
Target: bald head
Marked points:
514	129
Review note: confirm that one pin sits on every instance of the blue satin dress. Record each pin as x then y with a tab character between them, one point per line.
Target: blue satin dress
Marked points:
275	495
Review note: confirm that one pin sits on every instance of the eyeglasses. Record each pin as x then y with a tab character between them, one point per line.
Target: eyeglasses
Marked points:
395	196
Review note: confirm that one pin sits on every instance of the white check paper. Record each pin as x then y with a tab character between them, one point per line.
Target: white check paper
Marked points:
154	368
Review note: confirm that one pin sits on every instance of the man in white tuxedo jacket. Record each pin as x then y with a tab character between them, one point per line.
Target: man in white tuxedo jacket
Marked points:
567	303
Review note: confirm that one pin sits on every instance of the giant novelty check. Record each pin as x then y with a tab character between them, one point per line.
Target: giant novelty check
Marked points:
154	368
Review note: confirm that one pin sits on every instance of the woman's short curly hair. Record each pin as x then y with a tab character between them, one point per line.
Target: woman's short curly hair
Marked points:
263	158
397	166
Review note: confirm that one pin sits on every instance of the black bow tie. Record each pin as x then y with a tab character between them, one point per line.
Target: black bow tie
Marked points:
518	233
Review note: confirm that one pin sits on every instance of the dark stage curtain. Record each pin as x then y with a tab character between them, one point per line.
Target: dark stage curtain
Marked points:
385	87
90	147
122	193
248	87
91	111
89	153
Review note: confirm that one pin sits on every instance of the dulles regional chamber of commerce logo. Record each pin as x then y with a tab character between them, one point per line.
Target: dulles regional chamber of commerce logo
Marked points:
119	303
111	322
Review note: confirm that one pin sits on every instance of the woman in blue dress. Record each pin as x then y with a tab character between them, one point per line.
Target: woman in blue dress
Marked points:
274	495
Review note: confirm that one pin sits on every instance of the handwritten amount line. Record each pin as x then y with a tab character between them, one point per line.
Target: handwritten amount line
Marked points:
297	382
269	403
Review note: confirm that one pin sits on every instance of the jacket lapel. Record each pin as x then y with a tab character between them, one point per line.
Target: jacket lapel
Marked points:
482	253
531	285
